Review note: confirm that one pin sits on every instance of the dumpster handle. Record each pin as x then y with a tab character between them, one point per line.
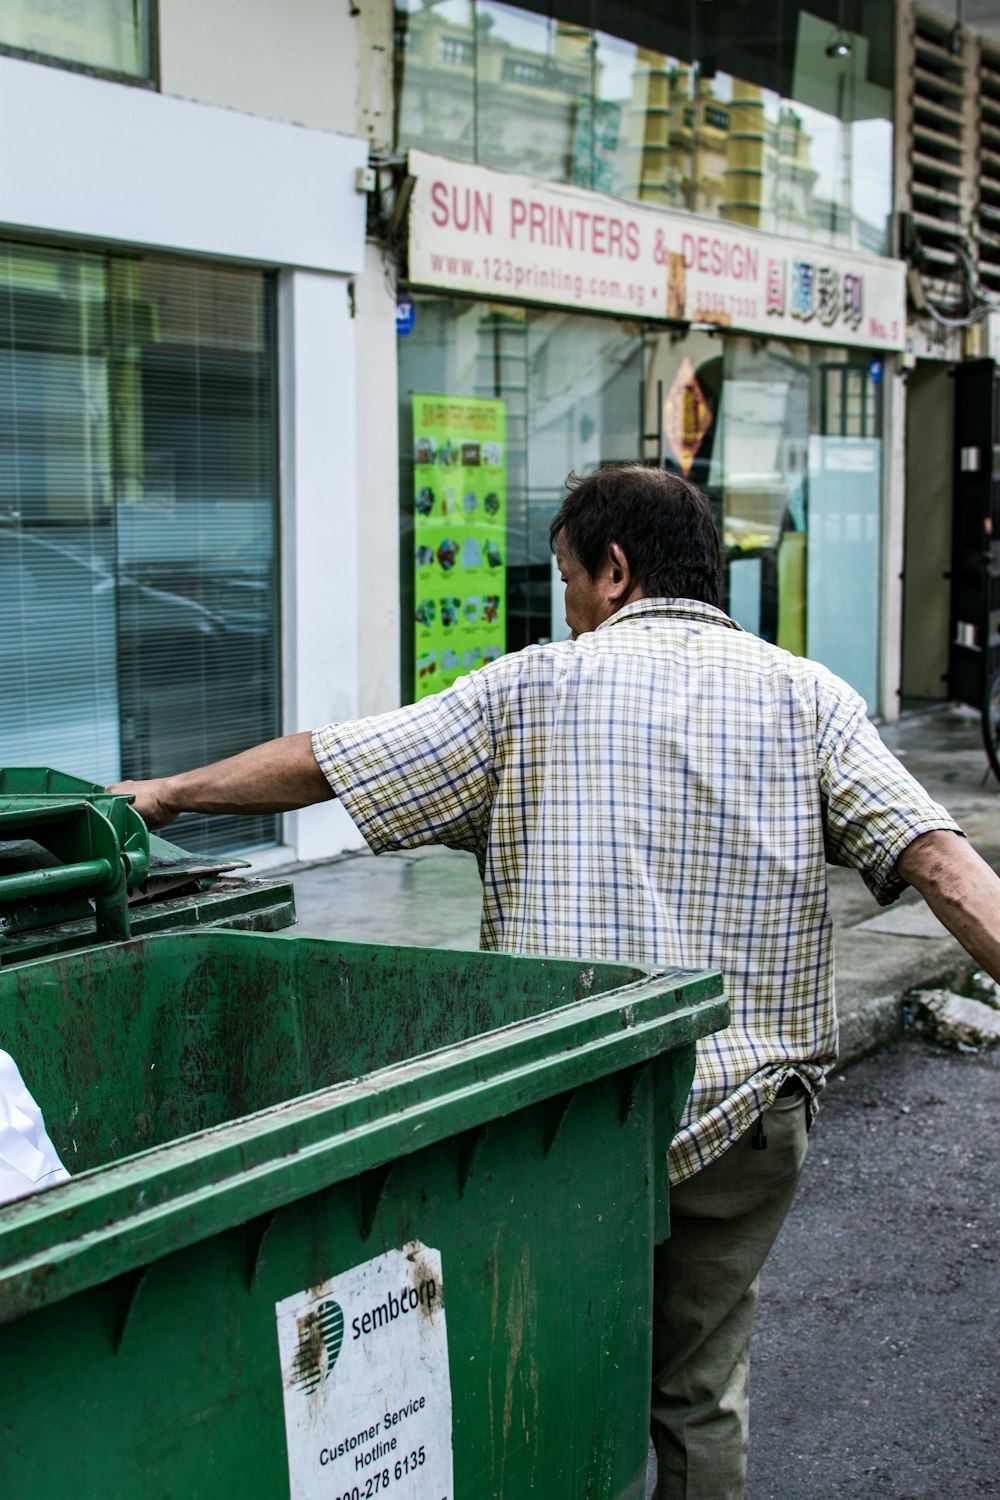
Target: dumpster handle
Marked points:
86	875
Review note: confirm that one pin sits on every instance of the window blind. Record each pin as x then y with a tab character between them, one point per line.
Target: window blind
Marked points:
138	531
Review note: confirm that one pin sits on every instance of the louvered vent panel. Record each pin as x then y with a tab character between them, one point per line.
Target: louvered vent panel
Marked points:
989	170
939	145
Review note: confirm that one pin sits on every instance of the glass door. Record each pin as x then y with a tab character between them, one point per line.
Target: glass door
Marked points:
763	437
845	507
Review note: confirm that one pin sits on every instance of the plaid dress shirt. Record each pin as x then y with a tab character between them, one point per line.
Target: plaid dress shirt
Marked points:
664	790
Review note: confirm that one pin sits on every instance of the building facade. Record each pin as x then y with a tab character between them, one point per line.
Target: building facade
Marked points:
948	217
182	227
308	311
665	237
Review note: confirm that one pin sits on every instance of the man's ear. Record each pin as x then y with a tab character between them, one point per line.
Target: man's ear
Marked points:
619	572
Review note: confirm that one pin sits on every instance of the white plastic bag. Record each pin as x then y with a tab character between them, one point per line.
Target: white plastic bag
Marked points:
28	1159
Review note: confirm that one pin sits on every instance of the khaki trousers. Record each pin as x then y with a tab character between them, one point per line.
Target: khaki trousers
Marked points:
723	1222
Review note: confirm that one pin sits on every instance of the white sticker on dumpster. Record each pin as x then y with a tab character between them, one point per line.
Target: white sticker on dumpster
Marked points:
364	1367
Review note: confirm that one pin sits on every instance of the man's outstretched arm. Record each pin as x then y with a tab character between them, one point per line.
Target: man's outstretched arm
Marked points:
960	889
275	777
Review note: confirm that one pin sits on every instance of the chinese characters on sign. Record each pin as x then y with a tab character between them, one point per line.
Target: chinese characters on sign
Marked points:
816	292
459	537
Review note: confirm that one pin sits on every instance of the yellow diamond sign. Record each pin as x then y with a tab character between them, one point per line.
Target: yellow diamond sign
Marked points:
687	416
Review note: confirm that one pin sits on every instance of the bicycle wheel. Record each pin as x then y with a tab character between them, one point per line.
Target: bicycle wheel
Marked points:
990	721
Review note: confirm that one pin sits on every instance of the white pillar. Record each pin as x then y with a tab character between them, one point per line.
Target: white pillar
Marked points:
319	554
378	487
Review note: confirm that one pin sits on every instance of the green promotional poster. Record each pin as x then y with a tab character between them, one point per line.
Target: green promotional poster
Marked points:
459	536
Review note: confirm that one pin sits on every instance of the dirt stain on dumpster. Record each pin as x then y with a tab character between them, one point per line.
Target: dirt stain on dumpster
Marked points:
425	1279
307	1371
520	1397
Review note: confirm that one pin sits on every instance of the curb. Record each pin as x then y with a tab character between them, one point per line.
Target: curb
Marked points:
874	1023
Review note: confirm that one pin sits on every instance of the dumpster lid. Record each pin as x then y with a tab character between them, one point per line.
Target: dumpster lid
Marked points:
78	865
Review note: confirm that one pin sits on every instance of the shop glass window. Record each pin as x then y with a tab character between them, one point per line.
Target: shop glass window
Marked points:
106	36
561	392
58	615
760	468
786	439
138	608
637	93
792	142
581	412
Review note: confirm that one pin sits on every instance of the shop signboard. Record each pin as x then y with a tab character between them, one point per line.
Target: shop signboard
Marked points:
502	235
459	536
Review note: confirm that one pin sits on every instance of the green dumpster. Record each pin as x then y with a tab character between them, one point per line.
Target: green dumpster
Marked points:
350	1220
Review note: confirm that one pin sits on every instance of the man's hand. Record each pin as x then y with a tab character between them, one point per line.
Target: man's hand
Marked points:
279	776
961	890
151	800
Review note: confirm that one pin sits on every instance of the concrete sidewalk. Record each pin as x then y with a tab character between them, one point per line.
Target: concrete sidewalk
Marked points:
432	897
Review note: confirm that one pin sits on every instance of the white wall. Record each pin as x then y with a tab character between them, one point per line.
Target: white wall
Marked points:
120	164
376	54
378	489
325	64
292	60
106	163
320	573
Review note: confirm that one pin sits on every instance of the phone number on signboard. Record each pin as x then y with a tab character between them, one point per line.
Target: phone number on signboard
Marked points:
380	1481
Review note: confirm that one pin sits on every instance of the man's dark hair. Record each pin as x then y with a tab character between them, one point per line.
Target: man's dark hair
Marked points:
662	523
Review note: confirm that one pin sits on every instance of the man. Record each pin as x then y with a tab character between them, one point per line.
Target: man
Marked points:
663	788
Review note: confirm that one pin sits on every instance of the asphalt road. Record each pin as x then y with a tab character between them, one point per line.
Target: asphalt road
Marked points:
876	1360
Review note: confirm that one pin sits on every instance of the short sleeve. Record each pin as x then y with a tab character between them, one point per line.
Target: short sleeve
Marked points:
873	808
418	775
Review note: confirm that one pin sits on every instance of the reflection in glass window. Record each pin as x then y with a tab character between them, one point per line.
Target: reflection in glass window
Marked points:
533	94
57	579
195	530
487	82
435	70
137	519
112	36
786	439
632	152
761	444
569	387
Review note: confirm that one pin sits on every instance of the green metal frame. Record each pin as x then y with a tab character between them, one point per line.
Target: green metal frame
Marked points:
98	837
